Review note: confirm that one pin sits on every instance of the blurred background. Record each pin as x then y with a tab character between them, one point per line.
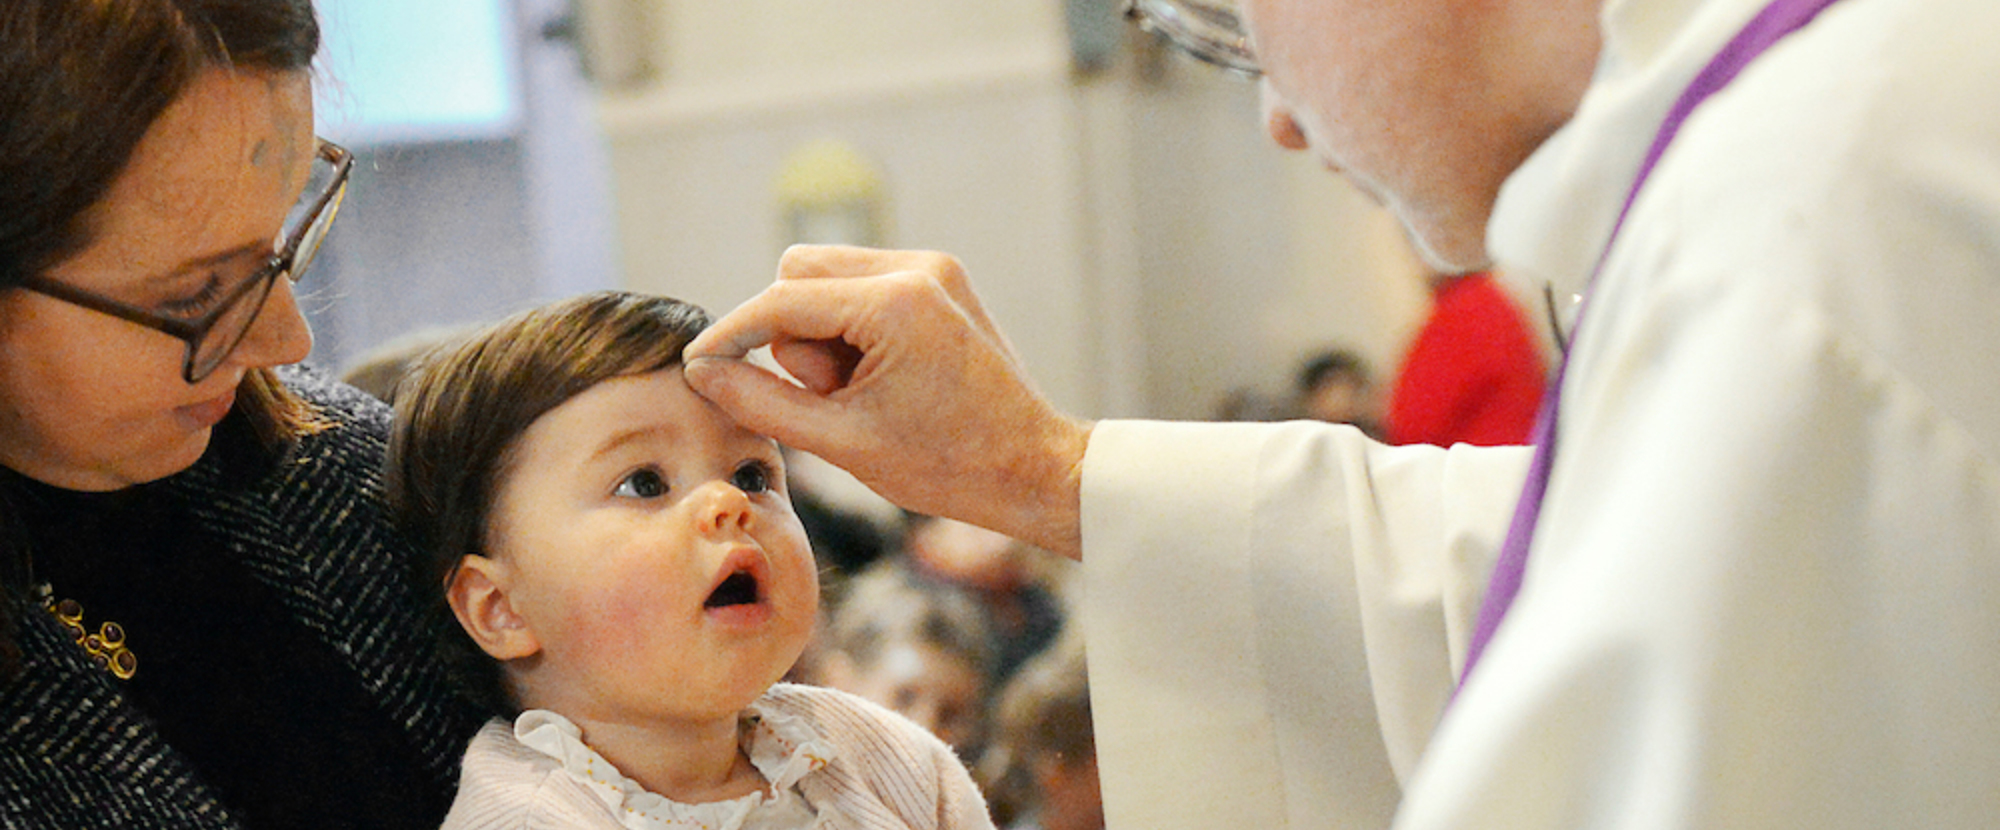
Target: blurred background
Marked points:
1121	211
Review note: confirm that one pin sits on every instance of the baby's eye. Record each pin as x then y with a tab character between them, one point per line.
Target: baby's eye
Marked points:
753	477
642	484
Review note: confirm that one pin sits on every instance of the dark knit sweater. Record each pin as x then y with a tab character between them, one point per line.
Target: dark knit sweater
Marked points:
307	537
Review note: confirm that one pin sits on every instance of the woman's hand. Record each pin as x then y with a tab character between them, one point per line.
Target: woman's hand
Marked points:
907	384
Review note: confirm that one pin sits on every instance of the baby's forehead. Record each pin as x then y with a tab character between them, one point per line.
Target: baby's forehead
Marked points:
653	407
658	395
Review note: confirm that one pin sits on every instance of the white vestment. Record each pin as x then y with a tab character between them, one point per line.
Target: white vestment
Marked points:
1765	590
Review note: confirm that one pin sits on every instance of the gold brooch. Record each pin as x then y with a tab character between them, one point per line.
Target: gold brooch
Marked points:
106	646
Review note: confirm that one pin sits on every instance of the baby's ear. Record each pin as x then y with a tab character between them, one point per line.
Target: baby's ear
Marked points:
478	596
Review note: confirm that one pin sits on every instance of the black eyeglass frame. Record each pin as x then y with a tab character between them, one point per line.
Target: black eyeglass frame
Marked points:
285	260
1210	32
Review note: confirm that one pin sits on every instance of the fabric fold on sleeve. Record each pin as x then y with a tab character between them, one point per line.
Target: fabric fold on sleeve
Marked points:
1241	578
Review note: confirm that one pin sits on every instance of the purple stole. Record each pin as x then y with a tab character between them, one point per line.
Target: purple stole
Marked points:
1780	18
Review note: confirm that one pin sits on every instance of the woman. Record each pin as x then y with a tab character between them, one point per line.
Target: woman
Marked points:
204	622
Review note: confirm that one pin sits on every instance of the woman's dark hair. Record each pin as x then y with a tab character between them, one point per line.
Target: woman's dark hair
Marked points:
81	81
460	413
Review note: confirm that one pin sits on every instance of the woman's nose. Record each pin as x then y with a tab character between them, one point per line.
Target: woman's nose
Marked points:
279	335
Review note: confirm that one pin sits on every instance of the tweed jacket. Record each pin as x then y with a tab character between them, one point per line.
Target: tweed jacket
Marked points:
74	753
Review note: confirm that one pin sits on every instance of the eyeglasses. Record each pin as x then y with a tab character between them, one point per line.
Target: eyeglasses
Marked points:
213	334
1209	30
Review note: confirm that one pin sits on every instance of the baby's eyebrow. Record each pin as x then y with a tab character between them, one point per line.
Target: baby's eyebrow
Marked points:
620	440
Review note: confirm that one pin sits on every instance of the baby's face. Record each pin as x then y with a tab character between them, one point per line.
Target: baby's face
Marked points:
652	549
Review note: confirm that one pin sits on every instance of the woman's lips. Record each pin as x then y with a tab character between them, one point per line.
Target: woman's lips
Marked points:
208	413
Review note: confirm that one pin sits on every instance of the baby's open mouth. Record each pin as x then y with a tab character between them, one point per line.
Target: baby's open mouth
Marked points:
739	588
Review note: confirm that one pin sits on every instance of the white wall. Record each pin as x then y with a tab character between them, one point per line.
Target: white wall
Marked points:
452	219
975	165
702	42
1140	240
1251	257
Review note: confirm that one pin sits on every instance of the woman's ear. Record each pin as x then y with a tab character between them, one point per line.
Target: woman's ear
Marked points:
478	597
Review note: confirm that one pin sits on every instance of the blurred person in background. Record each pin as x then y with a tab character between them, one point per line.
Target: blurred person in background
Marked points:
380	369
1473	374
1019	589
916	645
1336	386
1042	768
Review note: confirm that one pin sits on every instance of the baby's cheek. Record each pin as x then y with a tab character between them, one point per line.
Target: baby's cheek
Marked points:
622	617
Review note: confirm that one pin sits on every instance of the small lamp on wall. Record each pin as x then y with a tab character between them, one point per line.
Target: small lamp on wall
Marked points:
830	194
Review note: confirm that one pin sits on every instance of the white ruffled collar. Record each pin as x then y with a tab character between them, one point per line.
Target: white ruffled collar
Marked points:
784	748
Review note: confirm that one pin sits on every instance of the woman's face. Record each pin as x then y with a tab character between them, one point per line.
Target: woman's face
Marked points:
92	402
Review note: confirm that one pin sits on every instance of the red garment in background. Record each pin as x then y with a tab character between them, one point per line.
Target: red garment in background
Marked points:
1475	373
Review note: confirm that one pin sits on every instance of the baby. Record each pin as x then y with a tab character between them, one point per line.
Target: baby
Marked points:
618	576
